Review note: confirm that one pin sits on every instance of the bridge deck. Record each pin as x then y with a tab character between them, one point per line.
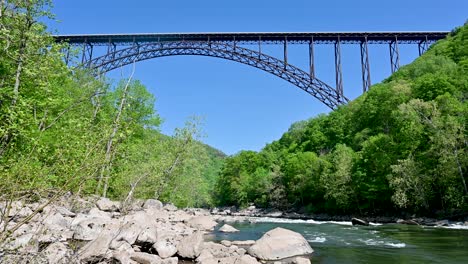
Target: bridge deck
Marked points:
255	37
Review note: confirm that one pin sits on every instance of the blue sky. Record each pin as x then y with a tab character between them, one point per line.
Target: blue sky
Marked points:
243	107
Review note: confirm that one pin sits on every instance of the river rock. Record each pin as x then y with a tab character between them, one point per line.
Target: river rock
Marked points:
148	235
191	246
301	260
203	222
104	204
89	228
407	222
170	207
153	203
57	253
145	258
357	221
173	260
442	223
97	249
278	244
228	229
243	243
165	249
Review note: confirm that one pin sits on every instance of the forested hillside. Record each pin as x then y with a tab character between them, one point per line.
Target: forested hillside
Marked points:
64	130
401	147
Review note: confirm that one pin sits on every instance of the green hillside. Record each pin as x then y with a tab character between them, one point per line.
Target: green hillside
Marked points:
402	146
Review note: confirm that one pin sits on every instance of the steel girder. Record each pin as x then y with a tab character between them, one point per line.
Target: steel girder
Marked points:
320	90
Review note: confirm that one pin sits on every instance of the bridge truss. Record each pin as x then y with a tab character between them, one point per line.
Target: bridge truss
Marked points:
124	49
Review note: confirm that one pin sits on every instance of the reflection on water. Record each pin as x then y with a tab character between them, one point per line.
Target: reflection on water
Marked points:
342	243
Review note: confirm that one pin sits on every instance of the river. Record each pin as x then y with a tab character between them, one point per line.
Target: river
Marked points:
340	242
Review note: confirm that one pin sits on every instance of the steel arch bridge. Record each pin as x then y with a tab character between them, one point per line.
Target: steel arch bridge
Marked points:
120	50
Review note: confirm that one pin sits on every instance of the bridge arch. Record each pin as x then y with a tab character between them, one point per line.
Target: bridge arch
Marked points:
315	87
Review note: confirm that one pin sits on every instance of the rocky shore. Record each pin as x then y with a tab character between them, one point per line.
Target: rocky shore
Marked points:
98	230
239	215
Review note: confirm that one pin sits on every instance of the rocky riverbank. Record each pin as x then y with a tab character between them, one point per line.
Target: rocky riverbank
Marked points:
97	230
238	215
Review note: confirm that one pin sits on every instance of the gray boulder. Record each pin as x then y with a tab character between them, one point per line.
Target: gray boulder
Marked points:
165	249
98	249
152	203
145	258
191	246
278	244
148	235
57	253
205	223
104	204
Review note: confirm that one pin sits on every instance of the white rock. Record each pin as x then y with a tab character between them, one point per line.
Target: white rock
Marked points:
98	249
191	246
145	258
228	229
173	260
301	260
107	205
204	223
89	228
57	253
280	243
165	249
243	243
247	259
148	235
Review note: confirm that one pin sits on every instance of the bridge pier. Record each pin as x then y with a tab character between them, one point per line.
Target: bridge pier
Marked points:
366	77
311	58
285	52
338	68
394	55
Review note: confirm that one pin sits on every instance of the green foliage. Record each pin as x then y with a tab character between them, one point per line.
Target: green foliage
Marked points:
65	130
403	144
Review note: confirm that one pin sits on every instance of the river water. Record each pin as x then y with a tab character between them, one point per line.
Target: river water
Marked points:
340	242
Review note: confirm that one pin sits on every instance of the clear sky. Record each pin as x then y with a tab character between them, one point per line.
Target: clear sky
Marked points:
243	107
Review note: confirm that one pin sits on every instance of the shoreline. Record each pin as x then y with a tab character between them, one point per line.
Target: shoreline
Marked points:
276	214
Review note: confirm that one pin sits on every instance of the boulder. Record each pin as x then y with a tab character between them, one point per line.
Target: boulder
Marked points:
173	260
219	250
243	243
148	235
170	207
98	249
165	249
301	260
122	254
247	259
57	253
56	222
145	258
128	232
89	228
152	203
442	223
357	221
407	222
280	243
191	246
204	223
227	229
104	204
